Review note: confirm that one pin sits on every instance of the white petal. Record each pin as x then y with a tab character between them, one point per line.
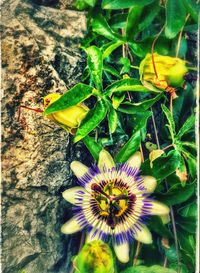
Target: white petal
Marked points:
135	160
71	194
70	226
144	236
79	169
159	208
122	252
149	183
105	159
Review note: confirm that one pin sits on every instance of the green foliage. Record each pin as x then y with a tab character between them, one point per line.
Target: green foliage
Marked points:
151	269
120	34
175	17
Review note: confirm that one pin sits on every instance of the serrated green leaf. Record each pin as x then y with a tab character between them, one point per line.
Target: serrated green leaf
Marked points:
129	148
170	122
95	64
74	96
132	108
100	26
190	122
111	48
125	85
92	146
175	17
123	4
132	27
112	120
92	120
111	70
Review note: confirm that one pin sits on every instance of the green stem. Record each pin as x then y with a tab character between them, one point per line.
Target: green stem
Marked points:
192	68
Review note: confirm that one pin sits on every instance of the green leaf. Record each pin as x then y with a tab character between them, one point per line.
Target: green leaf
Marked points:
193	8
117	99
132	26
92	146
175	17
192	164
125	85
112	120
92	120
132	108
95	64
126	65
170	120
111	70
141	48
118	20
162	166
138	121
187	223
148	15
155	223
178	195
129	148
190	210
91	3
171	254
100	26
190	123
151	269
111	48
77	94
123	4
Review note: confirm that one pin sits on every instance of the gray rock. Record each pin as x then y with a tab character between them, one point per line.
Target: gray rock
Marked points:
40	55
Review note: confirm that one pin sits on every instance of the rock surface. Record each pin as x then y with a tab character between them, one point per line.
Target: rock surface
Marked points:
40	55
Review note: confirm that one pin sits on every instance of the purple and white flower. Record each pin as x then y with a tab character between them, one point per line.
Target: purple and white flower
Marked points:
113	202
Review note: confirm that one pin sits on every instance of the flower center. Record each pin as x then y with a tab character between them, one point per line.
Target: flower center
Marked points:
113	201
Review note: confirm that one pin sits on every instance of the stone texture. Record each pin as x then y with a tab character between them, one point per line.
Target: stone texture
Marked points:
40	55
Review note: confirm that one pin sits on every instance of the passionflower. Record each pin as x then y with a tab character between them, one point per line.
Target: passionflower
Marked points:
162	72
112	201
69	118
88	260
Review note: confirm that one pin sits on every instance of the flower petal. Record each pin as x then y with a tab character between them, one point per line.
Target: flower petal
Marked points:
165	218
79	169
135	160
122	252
105	159
70	226
159	208
71	194
149	183
144	235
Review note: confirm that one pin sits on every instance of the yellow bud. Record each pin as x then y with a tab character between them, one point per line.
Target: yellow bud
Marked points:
163	72
95	257
69	118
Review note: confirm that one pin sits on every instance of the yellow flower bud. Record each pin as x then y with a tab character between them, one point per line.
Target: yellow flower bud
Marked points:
163	72
69	118
95	257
